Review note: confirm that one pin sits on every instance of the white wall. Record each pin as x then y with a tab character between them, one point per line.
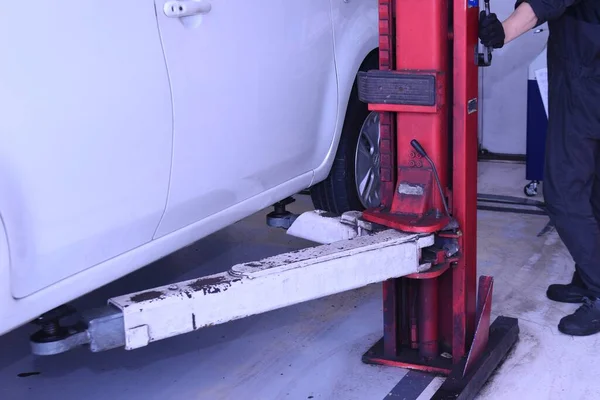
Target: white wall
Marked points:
503	93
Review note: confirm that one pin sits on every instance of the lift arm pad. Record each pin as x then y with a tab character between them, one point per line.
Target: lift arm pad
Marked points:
272	283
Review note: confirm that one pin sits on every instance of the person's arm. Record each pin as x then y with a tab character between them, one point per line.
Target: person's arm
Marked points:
530	13
520	21
527	15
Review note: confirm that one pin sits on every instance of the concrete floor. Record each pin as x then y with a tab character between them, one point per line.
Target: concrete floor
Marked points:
313	350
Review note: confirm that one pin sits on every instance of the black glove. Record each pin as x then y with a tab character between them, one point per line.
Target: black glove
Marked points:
491	31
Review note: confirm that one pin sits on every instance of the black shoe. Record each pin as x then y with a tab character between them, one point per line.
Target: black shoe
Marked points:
568	293
583	322
573	292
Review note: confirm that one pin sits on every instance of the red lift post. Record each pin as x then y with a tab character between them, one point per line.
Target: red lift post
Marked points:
428	61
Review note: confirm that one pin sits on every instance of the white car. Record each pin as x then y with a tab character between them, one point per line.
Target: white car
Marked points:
132	129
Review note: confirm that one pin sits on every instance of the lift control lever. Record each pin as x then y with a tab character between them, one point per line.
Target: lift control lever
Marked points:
485	59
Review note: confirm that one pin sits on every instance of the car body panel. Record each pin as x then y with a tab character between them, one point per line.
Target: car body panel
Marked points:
16	312
251	107
110	189
356	36
85	141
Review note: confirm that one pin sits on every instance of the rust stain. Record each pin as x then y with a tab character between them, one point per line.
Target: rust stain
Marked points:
145	296
199	284
212	285
254	264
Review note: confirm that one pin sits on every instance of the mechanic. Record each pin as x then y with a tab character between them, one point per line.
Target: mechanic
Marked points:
572	160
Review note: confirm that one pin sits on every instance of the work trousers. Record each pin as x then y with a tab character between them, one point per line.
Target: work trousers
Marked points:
572	165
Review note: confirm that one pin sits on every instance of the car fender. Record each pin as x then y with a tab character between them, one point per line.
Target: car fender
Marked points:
356	45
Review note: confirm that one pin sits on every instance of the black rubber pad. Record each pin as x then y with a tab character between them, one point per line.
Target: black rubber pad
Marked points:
391	87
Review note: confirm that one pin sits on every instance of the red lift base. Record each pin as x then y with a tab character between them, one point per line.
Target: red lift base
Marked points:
490	346
504	333
408	358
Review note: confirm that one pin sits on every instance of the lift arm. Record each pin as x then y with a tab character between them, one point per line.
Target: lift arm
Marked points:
356	254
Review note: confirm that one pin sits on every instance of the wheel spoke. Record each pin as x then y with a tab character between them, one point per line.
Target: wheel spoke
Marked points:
372	135
364	184
373	191
367	162
363	168
369	187
364	148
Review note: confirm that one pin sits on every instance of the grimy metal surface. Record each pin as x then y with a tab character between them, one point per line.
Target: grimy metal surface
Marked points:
272	283
482	331
465	74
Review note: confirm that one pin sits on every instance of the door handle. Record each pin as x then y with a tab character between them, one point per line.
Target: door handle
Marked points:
186	8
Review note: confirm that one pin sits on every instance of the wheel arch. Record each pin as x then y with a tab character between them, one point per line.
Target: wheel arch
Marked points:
348	90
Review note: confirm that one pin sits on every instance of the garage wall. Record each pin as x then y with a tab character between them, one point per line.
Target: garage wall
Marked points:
503	89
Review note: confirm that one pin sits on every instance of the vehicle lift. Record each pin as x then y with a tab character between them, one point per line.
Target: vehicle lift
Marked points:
420	242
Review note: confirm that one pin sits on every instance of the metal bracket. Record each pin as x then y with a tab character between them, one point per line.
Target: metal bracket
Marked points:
280	217
322	227
99	329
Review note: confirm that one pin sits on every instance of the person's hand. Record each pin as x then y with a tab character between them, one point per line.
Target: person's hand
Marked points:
491	31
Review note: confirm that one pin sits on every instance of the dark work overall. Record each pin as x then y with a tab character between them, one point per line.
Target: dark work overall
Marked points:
572	169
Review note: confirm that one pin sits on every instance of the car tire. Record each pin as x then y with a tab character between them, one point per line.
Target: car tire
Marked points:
339	192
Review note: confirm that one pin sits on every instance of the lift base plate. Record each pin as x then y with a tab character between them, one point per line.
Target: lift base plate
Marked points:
407	358
504	333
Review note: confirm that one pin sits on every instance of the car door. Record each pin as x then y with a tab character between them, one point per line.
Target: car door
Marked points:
85	135
255	95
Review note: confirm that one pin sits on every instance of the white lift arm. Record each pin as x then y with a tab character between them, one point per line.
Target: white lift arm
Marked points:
362	257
